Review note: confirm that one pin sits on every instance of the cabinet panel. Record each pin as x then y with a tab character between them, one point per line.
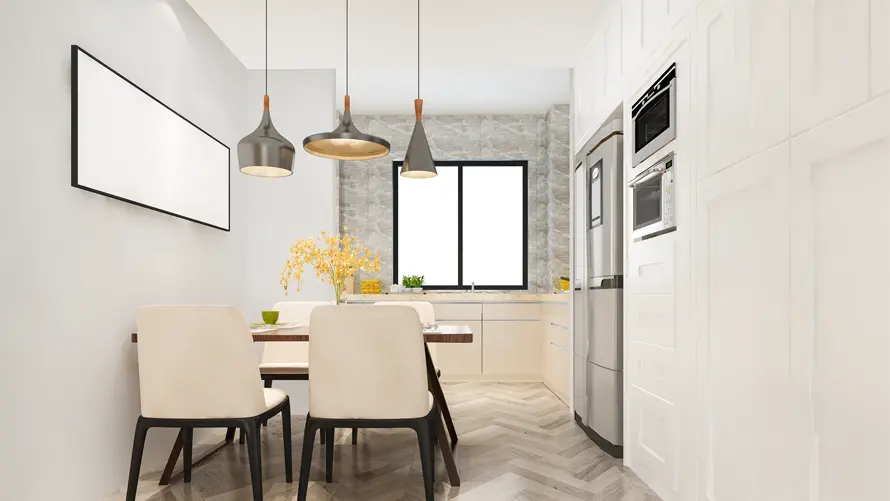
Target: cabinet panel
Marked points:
556	334
830	59
880	46
511	311
744	365
455	359
556	371
557	313
840	242
651	265
743	61
458	311
512	348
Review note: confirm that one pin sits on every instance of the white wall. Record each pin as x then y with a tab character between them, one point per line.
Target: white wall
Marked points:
282	211
77	265
756	339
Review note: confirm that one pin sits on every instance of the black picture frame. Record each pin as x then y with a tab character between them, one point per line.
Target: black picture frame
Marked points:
460	164
75	49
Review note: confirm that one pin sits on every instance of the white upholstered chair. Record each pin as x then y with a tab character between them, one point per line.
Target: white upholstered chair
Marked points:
197	369
368	370
427	315
288	361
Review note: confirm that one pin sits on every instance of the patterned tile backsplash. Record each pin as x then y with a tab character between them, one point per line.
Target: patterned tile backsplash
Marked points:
366	195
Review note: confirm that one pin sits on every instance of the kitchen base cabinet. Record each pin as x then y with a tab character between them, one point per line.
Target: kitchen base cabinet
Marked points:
556	347
511	350
556	370
460	362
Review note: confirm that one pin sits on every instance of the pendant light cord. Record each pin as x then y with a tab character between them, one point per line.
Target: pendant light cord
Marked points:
347	47
267	47
418	49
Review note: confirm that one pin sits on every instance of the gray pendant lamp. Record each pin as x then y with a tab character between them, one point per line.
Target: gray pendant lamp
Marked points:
265	152
418	162
346	142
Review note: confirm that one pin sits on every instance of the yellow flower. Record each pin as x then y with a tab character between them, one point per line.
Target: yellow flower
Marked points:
334	257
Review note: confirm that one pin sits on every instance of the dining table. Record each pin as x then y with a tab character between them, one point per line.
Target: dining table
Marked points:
446	436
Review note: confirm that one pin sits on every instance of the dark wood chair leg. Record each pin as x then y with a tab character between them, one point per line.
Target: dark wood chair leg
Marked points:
425	440
329	455
288	446
251	429
305	459
267	383
171	460
188	435
230	435
136	457
355	436
241	436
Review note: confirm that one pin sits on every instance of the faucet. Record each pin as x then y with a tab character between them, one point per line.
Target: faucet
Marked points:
472	286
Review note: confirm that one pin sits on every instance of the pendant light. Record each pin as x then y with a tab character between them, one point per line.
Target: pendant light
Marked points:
418	158
265	152
346	142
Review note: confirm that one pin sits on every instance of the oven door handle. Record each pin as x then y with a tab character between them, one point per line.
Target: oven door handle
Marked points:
649	99
646	175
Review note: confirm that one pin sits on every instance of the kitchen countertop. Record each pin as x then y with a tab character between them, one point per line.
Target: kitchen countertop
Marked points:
462	297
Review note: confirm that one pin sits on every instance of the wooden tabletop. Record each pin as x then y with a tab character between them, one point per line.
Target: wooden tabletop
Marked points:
444	334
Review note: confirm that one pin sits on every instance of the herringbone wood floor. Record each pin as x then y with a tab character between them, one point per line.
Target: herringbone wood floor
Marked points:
517	442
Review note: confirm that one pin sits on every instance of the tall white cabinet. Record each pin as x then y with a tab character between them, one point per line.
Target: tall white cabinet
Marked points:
757	338
839	298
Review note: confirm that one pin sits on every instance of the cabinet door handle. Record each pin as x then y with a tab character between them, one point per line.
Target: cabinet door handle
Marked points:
559	346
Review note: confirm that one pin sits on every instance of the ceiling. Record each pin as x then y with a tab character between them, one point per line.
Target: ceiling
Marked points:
477	56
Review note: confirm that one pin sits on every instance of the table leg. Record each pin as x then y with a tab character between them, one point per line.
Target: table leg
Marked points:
449	450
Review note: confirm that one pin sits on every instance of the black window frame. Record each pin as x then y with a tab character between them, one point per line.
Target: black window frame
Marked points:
460	164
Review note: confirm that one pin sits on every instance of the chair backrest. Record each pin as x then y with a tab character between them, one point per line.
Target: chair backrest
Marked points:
425	309
366	363
292	312
197	362
427	315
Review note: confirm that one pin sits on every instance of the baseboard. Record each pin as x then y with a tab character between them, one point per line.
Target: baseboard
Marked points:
559	395
616	451
490	378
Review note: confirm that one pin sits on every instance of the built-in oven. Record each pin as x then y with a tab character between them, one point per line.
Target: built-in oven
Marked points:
655	117
653	200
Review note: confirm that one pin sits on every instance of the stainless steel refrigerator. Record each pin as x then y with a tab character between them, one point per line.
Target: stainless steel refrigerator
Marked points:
598	393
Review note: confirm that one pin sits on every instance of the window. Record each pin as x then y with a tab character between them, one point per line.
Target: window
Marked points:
468	225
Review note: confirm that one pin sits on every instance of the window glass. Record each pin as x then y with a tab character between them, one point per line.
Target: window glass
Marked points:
427	232
493	226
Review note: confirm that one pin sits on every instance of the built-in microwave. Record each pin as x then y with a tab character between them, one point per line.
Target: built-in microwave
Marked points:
655	117
653	200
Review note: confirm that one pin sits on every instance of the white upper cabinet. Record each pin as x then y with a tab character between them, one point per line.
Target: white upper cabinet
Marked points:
647	24
599	77
840	241
831	65
742	61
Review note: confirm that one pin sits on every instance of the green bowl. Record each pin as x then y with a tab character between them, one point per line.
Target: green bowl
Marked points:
270	317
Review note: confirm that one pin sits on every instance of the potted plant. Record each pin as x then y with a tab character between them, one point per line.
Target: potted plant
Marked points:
413	283
335	259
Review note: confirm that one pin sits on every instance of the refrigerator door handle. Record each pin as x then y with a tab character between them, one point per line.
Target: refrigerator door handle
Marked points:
614	282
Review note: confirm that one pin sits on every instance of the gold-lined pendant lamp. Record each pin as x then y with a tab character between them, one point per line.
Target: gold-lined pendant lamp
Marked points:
346	142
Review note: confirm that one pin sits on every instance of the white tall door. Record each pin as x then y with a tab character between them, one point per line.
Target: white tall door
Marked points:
753	420
841	298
